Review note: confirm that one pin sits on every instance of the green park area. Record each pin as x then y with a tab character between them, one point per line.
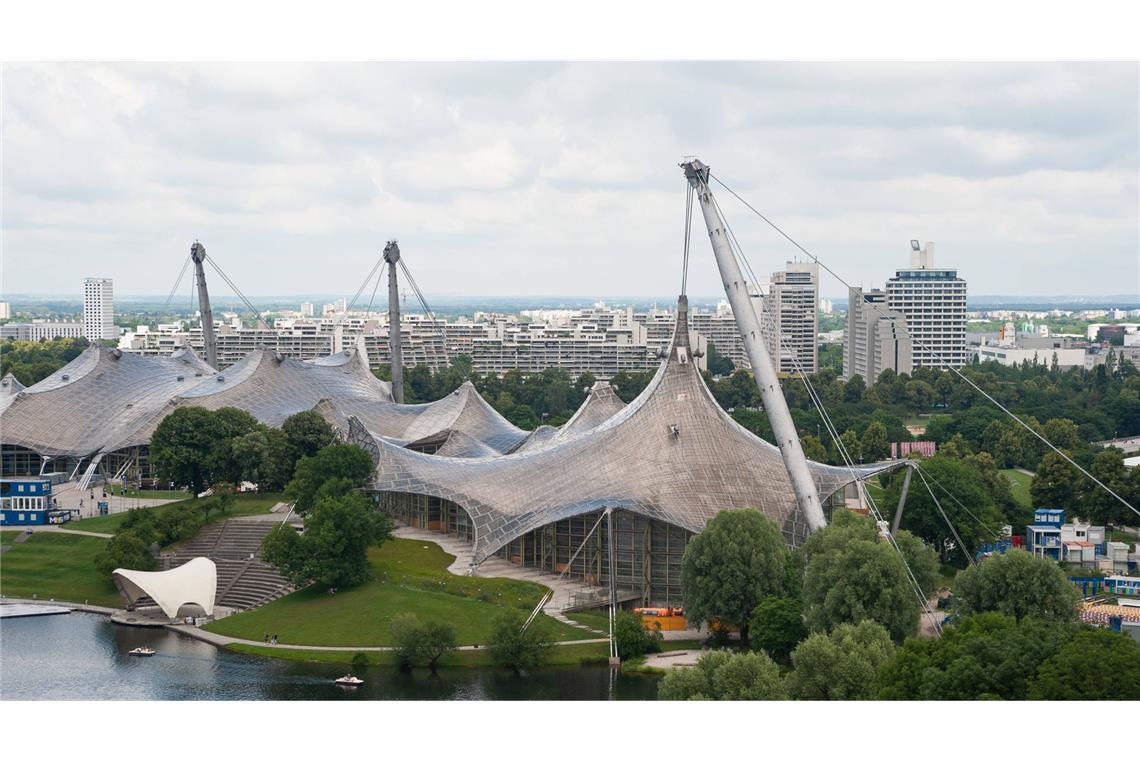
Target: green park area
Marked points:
242	505
408	576
56	566
1019	483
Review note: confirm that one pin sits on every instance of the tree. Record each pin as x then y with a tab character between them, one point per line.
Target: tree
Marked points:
1009	452
851	576
181	446
813	448
723	676
1062	433
717	363
777	626
633	638
855	388
843	664
1056	483
973	510
1096	664
921	559
515	648
420	643
334	548
127	550
875	445
228	424
334	470
1098	504
1017	584
737	560
263	457
307	433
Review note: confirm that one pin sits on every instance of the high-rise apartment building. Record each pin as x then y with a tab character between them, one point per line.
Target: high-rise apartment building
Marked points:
5	310
875	338
933	300
790	317
99	309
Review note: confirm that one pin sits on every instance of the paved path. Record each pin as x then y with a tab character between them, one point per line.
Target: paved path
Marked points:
496	567
679	658
69	497
219	640
69	605
58	529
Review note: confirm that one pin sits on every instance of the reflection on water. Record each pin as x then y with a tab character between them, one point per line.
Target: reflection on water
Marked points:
84	656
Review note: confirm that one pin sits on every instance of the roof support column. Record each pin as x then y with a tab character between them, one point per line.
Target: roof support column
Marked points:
764	372
396	347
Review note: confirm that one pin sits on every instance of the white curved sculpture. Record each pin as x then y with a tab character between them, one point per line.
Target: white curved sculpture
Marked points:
196	582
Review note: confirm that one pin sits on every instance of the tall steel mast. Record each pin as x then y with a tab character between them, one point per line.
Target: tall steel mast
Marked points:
198	254
764	372
396	348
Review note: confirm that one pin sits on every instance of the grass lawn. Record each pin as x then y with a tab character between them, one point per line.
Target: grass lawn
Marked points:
410	576
243	504
134	493
59	566
1019	486
8	536
594	618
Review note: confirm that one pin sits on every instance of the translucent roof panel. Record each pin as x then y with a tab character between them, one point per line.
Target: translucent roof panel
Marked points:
672	454
97	398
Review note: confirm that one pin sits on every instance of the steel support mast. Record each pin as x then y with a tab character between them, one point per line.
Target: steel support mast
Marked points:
764	372
395	346
198	254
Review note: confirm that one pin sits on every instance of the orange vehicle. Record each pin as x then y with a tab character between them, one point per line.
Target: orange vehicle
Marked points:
662	618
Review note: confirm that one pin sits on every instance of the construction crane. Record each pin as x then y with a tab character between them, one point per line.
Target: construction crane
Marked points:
392	256
198	255
764	372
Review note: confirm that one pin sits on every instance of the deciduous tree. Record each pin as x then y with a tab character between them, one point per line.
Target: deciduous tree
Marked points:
1017	584
738	559
843	664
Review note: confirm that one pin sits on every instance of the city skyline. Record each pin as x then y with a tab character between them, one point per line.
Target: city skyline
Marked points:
510	179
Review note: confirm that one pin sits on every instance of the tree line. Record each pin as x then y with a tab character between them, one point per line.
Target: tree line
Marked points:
838	619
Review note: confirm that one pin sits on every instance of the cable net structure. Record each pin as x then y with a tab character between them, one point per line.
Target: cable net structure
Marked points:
671	455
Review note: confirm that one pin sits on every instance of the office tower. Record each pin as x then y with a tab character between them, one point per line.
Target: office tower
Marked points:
875	338
791	308
99	309
933	300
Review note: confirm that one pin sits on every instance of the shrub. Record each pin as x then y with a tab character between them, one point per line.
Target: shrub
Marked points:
633	639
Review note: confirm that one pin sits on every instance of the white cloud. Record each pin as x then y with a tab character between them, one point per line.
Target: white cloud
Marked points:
505	179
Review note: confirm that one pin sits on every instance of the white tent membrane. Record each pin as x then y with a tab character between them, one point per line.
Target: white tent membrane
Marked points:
196	582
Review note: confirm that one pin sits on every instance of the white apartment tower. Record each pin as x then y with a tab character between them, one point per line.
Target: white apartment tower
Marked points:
791	307
933	300
99	309
875	338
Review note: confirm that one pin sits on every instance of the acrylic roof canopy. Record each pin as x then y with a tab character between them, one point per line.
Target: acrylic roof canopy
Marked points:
672	454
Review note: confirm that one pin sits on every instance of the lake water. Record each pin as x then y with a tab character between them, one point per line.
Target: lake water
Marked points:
84	656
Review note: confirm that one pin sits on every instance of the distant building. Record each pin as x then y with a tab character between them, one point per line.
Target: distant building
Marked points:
28	501
933	300
99	309
790	318
306	309
5	310
1014	355
875	339
900	449
1043	537
41	330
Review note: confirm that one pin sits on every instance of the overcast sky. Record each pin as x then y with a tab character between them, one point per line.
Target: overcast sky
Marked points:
547	179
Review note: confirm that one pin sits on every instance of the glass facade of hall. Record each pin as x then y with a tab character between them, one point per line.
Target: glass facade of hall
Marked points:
647	553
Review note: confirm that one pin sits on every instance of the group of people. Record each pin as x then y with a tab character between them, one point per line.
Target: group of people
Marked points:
271	641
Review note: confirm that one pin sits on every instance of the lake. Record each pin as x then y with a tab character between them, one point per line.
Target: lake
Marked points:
84	656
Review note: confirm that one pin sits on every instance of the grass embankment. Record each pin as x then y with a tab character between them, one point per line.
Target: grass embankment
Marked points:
409	576
8	536
567	654
1019	484
57	566
244	504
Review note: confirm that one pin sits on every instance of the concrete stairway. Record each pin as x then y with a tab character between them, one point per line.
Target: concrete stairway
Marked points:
234	545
